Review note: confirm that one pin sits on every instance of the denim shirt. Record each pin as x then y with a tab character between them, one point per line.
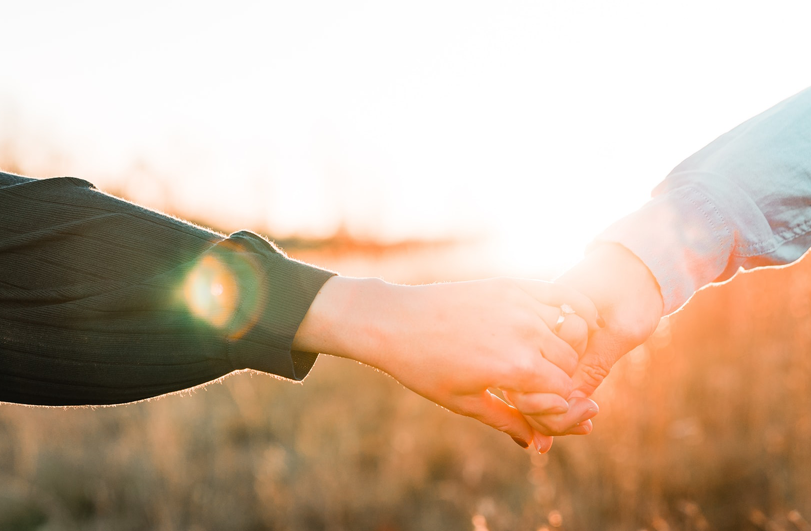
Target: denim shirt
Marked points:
743	201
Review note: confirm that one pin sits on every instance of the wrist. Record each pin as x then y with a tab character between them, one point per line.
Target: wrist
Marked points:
348	319
621	286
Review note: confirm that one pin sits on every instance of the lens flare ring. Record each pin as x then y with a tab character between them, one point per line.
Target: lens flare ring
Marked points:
225	290
211	292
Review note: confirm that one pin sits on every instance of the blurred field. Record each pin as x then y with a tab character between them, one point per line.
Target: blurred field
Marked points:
705	427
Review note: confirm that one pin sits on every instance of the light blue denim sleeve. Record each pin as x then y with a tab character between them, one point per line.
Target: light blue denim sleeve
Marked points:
743	201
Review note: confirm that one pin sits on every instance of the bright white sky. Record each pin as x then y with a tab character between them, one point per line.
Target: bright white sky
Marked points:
536	123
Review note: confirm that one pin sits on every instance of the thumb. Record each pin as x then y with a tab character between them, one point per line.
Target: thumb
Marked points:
600	356
493	411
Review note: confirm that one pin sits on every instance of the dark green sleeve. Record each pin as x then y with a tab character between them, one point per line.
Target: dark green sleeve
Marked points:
104	302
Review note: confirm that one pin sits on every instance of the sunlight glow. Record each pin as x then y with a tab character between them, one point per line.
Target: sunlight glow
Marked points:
536	123
211	292
224	289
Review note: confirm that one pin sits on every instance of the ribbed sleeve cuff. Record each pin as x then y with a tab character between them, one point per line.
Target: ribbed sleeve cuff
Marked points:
682	238
274	293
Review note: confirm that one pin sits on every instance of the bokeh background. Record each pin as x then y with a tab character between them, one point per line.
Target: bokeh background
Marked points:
418	142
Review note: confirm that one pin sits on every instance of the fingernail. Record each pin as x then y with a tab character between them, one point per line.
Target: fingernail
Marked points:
540	444
600	321
580	429
521	443
588	415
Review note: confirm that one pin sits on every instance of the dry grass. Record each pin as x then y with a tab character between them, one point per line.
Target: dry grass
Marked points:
705	427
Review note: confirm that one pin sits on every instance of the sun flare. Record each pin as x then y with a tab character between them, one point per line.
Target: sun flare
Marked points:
211	292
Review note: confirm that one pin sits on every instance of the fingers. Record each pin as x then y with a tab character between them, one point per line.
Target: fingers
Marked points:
552	415
560	353
595	364
584	428
590	374
576	420
575	332
532	404
557	348
491	410
537	374
543	443
565	347
549	371
494	412
537	403
553	294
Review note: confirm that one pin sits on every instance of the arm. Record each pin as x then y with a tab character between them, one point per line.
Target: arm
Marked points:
744	201
451	343
628	298
104	302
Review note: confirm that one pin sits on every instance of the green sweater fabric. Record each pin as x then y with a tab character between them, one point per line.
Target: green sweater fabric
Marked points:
105	302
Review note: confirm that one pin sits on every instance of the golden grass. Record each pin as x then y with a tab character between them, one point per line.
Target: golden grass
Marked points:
707	426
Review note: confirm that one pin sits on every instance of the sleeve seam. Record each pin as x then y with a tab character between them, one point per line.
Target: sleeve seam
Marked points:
711	204
785	236
755	248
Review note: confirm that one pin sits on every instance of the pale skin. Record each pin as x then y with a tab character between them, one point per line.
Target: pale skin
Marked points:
453	343
628	297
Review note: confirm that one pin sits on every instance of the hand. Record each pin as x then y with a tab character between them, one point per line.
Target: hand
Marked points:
558	421
629	300
452	342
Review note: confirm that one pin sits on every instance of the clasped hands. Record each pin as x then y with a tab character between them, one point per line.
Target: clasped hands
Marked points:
459	344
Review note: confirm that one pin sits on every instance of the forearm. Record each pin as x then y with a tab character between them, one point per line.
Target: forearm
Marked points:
619	283
104	302
744	201
352	318
453	342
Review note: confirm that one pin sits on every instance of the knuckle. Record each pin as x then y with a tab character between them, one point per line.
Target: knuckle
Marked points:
525	326
524	368
595	373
